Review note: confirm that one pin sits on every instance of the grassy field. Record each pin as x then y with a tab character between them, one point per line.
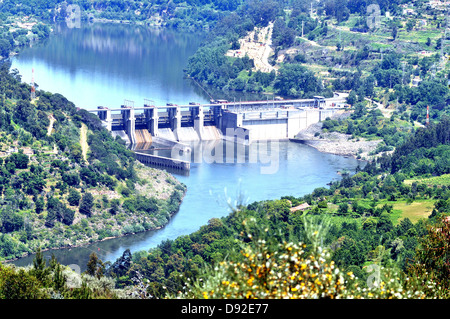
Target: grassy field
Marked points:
443	180
414	211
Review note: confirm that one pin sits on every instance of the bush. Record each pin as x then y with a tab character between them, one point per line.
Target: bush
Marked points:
18	284
268	269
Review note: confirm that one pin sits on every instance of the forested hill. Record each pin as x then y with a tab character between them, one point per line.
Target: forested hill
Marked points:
64	181
174	13
40	15
293	50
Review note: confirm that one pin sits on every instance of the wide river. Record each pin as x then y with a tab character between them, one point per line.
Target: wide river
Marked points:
106	64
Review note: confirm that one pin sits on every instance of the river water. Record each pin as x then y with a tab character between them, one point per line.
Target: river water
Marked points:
107	64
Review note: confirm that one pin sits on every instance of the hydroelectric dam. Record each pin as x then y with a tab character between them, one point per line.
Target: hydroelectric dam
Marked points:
244	122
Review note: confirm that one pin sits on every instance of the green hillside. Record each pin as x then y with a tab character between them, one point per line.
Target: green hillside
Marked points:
64	181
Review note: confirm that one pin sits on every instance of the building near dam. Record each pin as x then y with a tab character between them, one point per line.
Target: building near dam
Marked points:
271	123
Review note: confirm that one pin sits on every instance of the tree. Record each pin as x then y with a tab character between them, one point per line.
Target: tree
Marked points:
19	159
121	266
438	43
39	205
262	11
18	284
40	269
115	205
394	32
24	111
67	215
297	81
410	25
76	152
72	179
95	266
352	98
86	204
10	220
343	209
360	110
282	35
369	84
432	258
74	197
5	48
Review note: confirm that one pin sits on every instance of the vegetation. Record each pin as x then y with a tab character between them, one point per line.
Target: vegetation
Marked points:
269	269
380	233
339	49
55	281
51	197
180	14
13	35
360	223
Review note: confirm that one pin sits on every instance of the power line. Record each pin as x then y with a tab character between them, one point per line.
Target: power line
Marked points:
190	77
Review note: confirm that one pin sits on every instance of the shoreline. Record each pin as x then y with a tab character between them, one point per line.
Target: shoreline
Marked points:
97	241
323	145
336	143
341	148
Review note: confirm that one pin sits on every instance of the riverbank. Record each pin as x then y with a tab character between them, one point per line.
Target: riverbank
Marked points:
154	185
336	143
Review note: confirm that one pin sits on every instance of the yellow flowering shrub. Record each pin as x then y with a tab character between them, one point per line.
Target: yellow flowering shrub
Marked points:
286	270
285	273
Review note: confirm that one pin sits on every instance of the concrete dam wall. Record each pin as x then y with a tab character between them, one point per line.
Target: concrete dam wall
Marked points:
240	126
258	120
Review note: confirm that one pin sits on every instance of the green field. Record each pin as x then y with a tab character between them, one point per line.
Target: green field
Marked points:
401	209
414	211
443	180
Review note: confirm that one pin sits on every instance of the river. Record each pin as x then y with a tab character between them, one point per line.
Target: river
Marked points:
106	64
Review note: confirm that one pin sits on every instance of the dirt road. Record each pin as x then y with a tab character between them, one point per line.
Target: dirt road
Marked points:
257	48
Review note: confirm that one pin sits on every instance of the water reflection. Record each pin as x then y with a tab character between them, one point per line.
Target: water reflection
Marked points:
104	64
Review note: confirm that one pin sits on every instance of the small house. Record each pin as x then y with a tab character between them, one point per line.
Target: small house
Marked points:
301	207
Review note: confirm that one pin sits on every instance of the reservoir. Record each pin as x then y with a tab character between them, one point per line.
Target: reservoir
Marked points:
105	64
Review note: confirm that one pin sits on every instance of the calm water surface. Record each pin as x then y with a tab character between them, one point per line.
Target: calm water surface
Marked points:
106	64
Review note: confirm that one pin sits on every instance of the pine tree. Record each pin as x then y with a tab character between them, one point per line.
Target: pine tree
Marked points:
40	270
95	266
